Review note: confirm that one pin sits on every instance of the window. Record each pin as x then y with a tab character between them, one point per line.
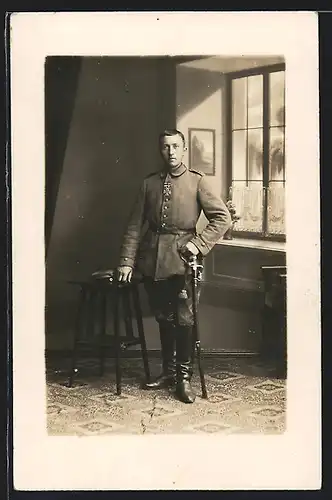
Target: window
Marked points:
257	151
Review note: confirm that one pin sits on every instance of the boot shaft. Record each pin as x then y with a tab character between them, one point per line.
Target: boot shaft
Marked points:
168	348
184	344
184	353
168	358
184	364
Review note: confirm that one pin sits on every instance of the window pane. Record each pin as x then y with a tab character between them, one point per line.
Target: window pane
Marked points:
276	208
277	98
239	152
276	156
239	103
248	201
255	154
255	101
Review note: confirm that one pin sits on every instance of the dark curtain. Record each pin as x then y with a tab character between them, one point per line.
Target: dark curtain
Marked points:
61	80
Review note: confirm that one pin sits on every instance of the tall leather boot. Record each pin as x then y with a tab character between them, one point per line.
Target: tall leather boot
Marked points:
184	365
168	375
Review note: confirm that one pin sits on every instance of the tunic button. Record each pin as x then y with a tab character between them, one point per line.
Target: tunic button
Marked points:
163	224
165	215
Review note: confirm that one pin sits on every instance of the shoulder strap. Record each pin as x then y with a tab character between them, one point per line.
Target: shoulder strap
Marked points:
198	172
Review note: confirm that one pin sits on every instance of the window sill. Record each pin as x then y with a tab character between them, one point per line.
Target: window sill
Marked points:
277	246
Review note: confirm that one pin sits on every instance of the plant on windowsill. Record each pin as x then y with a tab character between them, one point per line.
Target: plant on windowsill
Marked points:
232	210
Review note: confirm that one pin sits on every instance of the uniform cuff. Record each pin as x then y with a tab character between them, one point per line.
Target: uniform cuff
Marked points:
126	261
201	245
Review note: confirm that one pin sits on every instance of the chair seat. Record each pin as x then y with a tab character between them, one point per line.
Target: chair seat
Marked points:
106	273
104	278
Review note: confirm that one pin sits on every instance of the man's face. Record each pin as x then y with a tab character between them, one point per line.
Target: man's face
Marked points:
172	150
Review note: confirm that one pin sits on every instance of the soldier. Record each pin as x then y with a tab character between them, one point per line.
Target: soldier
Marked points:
161	235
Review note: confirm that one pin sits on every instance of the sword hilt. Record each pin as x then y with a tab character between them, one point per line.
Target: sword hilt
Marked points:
195	266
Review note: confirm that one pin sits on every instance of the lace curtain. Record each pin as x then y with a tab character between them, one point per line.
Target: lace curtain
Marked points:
249	203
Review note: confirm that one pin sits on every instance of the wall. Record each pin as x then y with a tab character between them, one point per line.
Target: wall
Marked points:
120	107
199	98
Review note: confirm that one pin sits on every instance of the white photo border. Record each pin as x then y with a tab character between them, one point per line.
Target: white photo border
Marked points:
289	461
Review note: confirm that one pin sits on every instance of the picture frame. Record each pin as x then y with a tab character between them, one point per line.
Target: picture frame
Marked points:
202	150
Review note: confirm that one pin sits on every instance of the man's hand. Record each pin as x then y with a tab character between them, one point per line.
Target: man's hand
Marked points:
125	274
189	250
192	248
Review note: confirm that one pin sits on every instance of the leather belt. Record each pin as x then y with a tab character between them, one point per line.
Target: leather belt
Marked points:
171	230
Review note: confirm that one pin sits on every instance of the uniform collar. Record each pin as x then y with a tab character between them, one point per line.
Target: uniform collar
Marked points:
176	172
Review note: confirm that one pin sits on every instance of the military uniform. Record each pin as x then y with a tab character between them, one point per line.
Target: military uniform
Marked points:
170	205
162	222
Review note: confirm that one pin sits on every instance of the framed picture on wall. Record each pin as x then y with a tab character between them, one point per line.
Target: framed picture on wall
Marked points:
202	154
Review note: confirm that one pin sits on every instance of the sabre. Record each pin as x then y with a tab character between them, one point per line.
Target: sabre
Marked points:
196	275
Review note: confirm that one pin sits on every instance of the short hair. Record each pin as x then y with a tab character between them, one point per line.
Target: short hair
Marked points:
171	131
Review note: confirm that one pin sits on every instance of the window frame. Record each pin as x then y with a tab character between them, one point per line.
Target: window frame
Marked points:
265	71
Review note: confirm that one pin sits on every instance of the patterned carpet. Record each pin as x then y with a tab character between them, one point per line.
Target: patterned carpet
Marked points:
244	397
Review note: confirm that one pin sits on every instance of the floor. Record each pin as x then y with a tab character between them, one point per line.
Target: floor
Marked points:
244	397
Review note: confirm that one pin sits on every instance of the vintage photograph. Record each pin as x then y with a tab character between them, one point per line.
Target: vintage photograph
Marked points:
165	251
165	238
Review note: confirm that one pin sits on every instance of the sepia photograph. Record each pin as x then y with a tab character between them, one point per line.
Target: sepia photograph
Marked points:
162	238
135	228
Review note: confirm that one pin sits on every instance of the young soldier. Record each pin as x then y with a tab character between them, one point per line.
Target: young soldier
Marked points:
161	235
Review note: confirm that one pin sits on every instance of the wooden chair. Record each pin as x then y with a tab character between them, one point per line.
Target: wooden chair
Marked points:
96	295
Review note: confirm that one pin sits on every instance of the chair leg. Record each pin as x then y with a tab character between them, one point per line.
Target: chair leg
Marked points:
73	370
102	346
89	325
140	328
127	316
117	292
